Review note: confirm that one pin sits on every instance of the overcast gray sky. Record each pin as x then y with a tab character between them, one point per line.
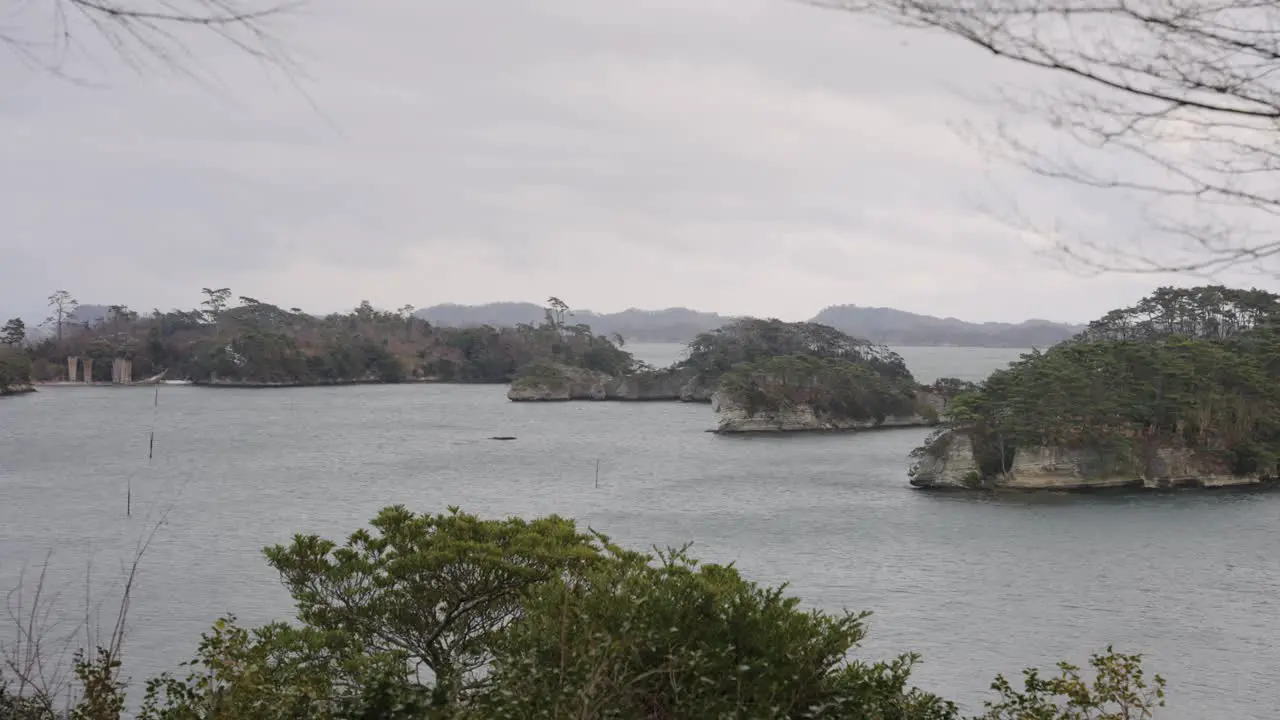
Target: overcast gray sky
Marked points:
744	156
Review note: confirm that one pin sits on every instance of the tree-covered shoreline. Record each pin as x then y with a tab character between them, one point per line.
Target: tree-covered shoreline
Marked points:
256	344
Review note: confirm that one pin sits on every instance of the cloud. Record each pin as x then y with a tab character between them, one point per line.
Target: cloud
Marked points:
753	156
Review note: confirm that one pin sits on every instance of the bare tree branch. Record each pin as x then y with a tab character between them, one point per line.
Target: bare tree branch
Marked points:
44	33
35	665
1174	104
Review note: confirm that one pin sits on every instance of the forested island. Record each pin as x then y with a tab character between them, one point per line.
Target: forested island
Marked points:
1182	389
693	379
805	376
763	376
794	393
257	344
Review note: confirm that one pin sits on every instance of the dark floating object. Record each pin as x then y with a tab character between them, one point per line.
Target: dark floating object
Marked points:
503	437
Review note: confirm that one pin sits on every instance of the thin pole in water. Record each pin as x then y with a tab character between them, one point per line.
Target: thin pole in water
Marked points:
597	474
151	452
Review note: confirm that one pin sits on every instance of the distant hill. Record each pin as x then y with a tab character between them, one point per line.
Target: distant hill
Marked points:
89	314
676	325
498	314
897	327
680	325
39	329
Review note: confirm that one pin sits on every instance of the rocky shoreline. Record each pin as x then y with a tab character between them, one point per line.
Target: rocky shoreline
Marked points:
950	464
248	384
733	418
17	389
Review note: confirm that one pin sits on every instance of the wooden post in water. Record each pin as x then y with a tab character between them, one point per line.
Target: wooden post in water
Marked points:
151	444
597	474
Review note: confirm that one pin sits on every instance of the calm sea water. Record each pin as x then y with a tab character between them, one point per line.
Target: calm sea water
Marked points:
978	585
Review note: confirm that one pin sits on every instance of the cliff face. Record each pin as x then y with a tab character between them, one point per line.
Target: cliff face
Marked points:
733	417
951	465
562	382
567	383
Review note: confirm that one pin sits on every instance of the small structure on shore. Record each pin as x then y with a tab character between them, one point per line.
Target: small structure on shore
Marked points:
80	369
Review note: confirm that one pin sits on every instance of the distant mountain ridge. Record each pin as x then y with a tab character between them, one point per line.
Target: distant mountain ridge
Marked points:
675	325
898	327
680	325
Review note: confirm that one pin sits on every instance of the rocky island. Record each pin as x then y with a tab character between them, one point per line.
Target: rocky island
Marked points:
762	376
1180	390
710	356
792	393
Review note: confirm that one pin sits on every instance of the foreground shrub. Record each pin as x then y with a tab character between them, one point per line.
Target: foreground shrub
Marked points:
632	639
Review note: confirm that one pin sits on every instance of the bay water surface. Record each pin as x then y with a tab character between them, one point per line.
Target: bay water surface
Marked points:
978	584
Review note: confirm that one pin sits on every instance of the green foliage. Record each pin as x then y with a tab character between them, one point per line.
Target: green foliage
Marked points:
18	705
1119	691
1211	312
751	339
631	639
215	302
935	445
484	356
62	306
437	588
102	693
257	343
15	370
14	332
1197	369
832	387
949	387
277	672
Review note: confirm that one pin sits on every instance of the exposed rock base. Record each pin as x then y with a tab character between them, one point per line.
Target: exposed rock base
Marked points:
16	389
562	382
731	417
952	466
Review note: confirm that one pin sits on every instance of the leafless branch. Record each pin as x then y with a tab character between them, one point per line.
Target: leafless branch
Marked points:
44	33
1173	104
34	665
